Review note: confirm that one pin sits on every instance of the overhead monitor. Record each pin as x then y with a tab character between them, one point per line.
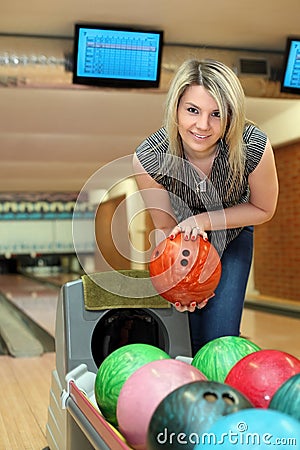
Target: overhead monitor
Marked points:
290	82
117	56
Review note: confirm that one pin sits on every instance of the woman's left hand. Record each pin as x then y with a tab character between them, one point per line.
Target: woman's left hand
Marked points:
189	232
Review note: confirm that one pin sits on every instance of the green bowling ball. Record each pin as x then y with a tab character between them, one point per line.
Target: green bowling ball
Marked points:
217	357
116	369
287	398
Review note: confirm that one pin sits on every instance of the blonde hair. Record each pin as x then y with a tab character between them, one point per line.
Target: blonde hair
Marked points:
225	88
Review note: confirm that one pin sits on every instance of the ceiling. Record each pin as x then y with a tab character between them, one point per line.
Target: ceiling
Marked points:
232	23
55	139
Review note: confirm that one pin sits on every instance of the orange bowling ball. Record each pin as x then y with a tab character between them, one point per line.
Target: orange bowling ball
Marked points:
185	271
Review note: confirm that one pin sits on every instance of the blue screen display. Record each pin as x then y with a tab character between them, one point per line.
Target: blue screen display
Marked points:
291	76
117	55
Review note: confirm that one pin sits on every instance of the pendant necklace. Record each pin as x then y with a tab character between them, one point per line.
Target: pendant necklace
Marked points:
201	187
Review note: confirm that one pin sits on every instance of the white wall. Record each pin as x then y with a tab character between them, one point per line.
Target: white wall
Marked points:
279	118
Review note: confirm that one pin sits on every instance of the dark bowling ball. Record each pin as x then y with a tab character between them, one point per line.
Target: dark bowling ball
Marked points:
189	411
287	398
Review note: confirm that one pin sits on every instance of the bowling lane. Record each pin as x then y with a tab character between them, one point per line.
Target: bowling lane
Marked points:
272	331
57	279
36	297
24	407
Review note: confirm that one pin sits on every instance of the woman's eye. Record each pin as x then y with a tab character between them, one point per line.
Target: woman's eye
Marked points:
216	114
192	110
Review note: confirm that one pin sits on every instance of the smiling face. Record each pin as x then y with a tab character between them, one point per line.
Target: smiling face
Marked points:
199	122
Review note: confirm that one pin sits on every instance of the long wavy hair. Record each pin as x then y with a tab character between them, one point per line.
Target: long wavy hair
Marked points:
225	88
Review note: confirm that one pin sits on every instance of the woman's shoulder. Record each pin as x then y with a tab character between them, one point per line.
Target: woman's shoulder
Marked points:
156	141
255	141
152	151
253	134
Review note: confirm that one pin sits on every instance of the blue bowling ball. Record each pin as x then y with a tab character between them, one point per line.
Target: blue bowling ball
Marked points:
252	429
287	398
189	411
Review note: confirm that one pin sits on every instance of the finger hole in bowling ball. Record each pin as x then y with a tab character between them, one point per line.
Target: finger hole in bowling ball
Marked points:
186	252
184	262
210	397
228	398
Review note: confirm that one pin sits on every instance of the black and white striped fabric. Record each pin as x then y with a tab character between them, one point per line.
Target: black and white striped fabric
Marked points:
181	179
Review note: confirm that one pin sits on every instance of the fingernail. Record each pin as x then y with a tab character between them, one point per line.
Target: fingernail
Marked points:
172	236
193	238
186	237
177	304
205	238
193	304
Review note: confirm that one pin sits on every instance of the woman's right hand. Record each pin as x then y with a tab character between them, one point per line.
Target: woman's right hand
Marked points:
192	306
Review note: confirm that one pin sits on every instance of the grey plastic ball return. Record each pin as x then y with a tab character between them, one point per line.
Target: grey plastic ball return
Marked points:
83	339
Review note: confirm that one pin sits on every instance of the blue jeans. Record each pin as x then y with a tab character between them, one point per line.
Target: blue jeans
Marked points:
222	314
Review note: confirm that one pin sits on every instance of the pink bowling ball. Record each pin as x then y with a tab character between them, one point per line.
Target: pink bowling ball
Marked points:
260	374
144	390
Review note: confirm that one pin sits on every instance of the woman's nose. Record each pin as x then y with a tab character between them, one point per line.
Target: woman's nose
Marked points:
203	122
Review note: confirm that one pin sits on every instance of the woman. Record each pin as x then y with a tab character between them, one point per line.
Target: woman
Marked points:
210	172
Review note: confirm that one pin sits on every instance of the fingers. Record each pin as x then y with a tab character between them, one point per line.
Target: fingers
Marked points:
192	306
197	231
182	308
175	232
188	232
194	233
179	307
204	302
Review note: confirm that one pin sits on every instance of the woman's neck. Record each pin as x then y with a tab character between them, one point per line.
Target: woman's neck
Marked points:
204	160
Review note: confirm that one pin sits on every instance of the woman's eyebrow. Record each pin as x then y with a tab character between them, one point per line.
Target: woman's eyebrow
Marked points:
192	104
198	107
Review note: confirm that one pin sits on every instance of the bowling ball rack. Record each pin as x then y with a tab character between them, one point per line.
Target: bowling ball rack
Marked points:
87	423
74	419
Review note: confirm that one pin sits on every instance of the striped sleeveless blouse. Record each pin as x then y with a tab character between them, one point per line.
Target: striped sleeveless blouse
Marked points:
181	179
